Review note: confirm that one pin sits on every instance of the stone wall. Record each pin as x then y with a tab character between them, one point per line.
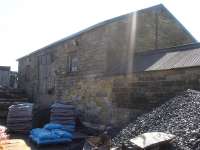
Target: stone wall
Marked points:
165	31
37	75
118	99
150	89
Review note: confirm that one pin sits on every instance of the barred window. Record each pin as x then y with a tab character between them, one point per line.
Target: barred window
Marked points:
72	62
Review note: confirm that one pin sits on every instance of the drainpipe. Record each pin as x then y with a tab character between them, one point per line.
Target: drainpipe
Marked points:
156	28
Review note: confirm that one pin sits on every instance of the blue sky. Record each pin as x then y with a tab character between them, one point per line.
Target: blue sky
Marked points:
27	25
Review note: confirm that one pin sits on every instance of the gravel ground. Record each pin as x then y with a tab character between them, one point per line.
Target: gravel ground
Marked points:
179	116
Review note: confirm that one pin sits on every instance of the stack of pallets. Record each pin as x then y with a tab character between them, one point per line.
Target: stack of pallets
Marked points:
19	118
63	113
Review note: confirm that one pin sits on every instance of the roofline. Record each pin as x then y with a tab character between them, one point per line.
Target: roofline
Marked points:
183	27
80	32
171	49
159	70
5	68
107	22
89	29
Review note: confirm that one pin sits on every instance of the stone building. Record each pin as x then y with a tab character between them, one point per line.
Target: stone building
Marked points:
4	75
116	69
8	78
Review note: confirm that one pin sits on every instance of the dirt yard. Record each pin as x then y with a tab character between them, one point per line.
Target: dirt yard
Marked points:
75	145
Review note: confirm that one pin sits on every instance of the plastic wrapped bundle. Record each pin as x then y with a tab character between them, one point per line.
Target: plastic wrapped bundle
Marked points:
63	113
19	118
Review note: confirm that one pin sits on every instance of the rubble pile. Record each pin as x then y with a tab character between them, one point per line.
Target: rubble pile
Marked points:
179	116
62	113
19	118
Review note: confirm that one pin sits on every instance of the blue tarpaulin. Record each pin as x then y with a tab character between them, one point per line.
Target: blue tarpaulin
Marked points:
52	134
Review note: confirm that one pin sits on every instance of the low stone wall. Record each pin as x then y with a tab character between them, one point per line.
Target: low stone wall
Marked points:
116	100
95	100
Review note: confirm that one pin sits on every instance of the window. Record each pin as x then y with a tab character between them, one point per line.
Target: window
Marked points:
27	73
29	59
50	58
50	85
72	65
44	60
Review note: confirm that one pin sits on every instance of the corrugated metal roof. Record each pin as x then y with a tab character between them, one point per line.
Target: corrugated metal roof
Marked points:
167	59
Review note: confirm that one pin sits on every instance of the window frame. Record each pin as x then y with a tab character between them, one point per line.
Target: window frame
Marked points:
71	64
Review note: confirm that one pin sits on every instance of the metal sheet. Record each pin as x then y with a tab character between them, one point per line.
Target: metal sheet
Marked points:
167	60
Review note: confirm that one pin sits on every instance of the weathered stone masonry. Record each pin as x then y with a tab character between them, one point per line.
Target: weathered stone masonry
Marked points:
103	87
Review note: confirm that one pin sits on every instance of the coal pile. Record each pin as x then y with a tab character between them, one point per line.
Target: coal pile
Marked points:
19	118
62	113
179	116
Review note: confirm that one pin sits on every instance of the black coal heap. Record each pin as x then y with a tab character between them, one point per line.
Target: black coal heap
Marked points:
179	116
